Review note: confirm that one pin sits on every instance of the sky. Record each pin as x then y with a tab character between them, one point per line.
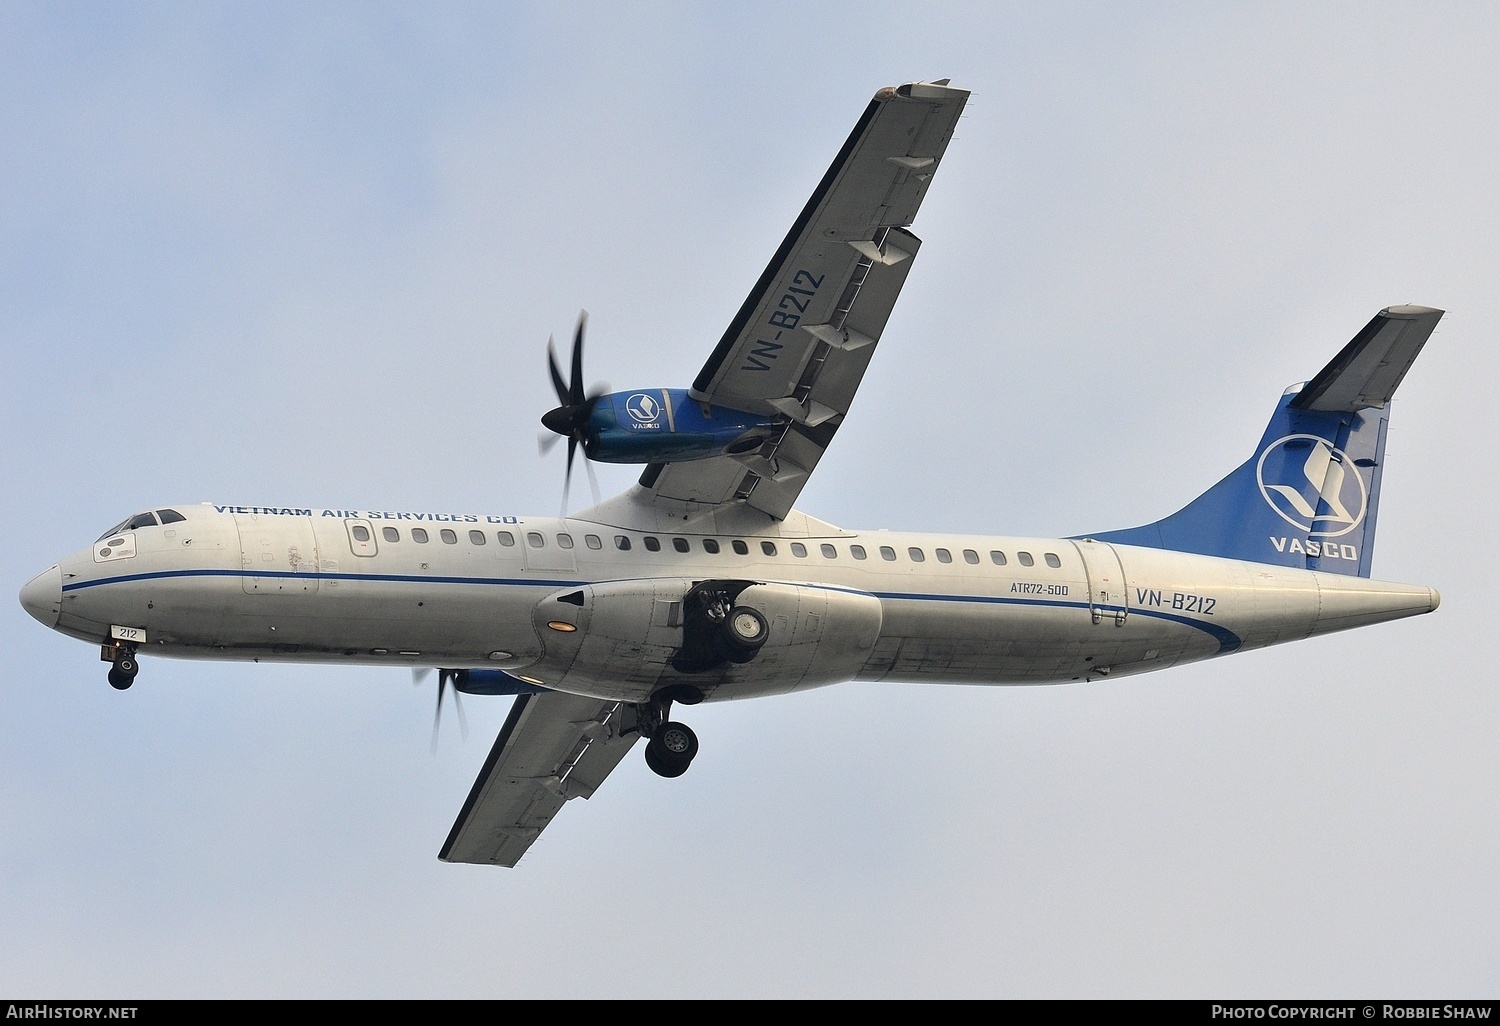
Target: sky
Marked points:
310	254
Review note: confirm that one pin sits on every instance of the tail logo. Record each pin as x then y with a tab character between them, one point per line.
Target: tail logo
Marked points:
1329	500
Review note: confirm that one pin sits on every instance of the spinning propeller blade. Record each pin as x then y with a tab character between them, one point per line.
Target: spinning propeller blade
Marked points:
570	418
445	677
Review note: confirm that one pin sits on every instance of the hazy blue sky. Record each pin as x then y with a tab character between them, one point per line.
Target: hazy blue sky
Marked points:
311	253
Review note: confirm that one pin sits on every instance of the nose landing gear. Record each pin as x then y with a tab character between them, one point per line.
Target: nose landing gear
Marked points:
123	666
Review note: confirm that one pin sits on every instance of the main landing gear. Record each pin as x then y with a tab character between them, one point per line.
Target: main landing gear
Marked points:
123	666
670	746
671	749
716	631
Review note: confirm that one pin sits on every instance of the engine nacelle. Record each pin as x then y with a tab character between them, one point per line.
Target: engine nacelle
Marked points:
632	639
665	425
491	682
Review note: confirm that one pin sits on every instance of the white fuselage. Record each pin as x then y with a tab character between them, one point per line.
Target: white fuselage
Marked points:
489	591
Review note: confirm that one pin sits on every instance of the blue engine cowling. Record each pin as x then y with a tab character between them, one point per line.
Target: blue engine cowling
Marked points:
492	682
667	425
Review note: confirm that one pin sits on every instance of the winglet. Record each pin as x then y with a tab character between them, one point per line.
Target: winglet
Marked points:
1366	372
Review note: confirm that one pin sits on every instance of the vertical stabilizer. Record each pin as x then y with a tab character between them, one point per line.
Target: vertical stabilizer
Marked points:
1309	496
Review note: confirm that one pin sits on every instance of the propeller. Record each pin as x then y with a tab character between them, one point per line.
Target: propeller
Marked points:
570	419
445	677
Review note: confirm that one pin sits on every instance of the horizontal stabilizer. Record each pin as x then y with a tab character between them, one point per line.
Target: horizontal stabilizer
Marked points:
1365	374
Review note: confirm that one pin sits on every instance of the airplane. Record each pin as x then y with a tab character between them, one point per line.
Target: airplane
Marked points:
703	583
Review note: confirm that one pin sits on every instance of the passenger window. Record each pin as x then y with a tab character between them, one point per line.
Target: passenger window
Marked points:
505	538
887	553
769	548
653	544
709	545
390	534
535	539
1025	559
1052	560
592	541
944	556
419	535
622	543
170	516
857	551
565	541
361	533
799	550
681	545
829	551
916	554
970	556
477	537
997	557
447	534
740	547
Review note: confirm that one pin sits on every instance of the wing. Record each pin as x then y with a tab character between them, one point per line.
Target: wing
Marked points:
803	337
553	747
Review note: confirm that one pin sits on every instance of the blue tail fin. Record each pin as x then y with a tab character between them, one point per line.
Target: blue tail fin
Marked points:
1309	495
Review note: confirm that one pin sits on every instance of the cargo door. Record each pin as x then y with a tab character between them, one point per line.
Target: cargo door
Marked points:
278	554
1108	599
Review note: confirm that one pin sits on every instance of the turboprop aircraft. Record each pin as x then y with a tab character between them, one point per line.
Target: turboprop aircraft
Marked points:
702	583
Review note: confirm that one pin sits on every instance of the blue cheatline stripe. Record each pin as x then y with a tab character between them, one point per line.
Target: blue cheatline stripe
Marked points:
287	575
1227	639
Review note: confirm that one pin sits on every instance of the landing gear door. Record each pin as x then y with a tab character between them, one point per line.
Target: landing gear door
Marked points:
278	554
1108	600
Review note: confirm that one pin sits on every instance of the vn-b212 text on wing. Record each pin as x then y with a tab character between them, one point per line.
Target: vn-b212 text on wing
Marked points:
800	343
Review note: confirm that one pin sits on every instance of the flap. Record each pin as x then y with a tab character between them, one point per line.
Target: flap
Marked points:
553	747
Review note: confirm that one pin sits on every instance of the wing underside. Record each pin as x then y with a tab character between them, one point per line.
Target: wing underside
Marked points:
800	343
553	747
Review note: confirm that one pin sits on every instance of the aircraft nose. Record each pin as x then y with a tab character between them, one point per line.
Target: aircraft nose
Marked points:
42	595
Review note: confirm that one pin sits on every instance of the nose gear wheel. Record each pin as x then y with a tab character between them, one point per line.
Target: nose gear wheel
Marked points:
123	667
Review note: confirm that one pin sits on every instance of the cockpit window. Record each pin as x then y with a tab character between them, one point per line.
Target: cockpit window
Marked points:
114	530
139	520
170	516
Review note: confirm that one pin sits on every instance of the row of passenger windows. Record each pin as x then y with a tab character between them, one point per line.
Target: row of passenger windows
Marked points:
537	540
